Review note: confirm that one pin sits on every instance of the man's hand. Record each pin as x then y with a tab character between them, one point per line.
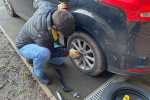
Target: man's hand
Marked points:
72	53
62	6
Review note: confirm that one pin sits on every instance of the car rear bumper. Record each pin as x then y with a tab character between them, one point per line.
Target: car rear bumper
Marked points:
130	57
127	64
123	72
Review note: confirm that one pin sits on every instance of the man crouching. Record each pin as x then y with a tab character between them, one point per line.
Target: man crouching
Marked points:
37	37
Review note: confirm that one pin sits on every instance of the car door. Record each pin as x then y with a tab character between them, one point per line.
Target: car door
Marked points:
23	8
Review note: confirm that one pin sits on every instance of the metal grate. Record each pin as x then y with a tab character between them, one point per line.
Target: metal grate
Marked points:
96	95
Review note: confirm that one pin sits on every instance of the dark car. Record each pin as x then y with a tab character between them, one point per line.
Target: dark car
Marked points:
106	33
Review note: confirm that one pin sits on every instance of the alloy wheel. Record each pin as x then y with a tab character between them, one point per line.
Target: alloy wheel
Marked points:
86	60
8	6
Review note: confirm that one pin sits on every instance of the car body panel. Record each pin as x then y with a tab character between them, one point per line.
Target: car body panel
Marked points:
107	24
133	9
132	54
128	6
23	8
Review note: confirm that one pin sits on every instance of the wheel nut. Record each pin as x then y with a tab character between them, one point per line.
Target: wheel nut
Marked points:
76	95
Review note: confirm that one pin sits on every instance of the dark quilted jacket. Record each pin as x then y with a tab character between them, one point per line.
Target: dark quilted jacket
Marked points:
38	29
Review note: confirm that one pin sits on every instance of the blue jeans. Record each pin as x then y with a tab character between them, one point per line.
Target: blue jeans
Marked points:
40	56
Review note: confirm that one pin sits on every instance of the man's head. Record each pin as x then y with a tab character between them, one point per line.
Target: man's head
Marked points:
63	22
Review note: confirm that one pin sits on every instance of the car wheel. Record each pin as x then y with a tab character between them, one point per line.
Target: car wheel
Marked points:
125	91
92	61
9	8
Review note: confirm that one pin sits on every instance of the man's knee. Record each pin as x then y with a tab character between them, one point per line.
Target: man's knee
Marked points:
44	54
61	61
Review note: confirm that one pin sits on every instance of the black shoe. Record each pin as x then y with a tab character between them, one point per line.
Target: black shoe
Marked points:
43	79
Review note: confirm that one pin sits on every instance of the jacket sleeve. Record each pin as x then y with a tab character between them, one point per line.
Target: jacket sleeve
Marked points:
55	52
43	4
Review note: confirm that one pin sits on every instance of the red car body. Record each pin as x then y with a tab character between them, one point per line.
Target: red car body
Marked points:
134	10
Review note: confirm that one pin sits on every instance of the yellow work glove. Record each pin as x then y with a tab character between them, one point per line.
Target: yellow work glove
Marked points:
62	6
72	53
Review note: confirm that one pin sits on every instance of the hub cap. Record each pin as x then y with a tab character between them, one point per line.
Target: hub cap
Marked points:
86	59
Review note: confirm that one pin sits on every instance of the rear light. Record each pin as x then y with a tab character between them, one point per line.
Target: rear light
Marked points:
134	10
137	70
145	14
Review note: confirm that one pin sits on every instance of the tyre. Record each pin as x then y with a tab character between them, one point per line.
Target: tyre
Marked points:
9	8
125	91
92	61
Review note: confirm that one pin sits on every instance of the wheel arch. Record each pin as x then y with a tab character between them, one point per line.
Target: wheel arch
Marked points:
82	29
106	23
90	26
